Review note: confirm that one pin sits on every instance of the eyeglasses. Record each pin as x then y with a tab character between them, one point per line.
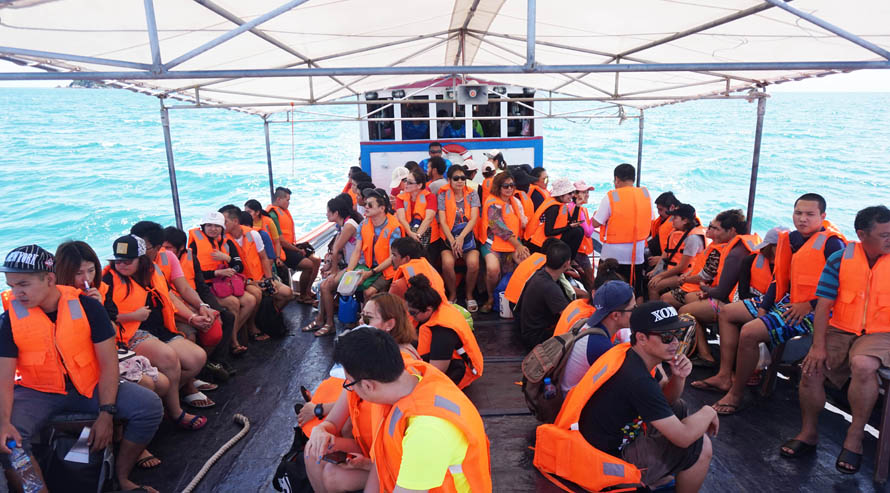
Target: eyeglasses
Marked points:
413	312
410	182
508	185
459	178
668	337
123	261
348	386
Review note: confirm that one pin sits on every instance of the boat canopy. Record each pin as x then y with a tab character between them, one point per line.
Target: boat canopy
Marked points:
263	56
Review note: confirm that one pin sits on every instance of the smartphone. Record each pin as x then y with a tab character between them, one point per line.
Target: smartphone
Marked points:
338	457
305	393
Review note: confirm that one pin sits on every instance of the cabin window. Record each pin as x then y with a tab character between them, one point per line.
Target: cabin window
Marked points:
487	128
415	120
520	127
381	130
454	127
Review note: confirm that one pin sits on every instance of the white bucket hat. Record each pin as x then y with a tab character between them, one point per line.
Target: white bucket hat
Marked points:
561	186
214	217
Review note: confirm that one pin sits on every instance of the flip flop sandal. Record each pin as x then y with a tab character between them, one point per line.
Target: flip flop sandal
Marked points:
486	308
707	387
472	306
851	459
141	463
195	423
238	351
312	327
259	337
729	409
703	363
193	399
798	449
203	386
324	330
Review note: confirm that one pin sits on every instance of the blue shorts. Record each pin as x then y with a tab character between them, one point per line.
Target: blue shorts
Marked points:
779	331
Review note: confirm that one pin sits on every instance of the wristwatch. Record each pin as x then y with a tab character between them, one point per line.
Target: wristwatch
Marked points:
108	408
319	411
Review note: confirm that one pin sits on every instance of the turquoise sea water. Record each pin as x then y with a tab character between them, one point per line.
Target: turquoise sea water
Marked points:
86	164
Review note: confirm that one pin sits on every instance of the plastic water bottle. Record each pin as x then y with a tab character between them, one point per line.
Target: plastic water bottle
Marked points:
21	462
549	389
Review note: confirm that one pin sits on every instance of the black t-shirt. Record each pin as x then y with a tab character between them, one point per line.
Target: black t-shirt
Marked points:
443	342
616	411
100	326
541	303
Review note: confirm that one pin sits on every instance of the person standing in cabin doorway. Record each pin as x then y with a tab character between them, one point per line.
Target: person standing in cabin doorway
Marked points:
851	338
294	257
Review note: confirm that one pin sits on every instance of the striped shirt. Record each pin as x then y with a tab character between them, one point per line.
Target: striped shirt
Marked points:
828	281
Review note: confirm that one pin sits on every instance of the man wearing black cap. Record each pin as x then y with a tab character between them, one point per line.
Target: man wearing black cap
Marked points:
77	372
612	420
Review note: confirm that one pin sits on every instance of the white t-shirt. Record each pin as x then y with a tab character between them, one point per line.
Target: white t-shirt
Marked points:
618	251
349	247
694	244
257	241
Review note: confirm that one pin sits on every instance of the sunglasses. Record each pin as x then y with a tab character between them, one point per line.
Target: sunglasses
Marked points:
669	337
410	182
508	185
458	178
436	152
413	312
348	386
123	261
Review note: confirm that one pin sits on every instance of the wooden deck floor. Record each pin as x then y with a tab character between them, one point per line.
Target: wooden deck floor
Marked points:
746	454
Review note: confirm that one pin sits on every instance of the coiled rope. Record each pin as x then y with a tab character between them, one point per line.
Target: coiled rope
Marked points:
245	423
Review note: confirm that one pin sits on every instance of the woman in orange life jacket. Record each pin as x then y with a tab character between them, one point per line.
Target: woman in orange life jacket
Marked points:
399	177
218	258
416	209
149	330
538	189
556	221
502	224
379	229
76	264
661	228
581	260
262	221
346	221
684	243
458	214
388	313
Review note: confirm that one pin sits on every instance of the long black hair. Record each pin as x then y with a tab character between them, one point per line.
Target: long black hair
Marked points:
342	205
254	205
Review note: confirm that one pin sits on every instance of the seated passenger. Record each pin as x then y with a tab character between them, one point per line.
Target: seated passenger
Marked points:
685	240
458	207
544	299
48	327
376	233
614	301
445	340
538	189
397	181
581	261
295	257
438	438
218	258
346	220
661	228
138	301
262	221
786	310
851	339
416	210
502	223
581	308
630	415
408	261
552	218
437	168
350	412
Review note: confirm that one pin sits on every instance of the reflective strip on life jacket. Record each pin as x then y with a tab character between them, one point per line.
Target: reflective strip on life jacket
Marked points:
862	305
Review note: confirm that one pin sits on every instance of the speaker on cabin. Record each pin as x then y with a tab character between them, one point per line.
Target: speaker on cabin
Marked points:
472	94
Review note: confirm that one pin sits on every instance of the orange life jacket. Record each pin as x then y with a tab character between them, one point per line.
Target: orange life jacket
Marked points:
863	295
416	209
187	261
250	257
576	310
761	273
562	219
698	263
630	217
797	274
486	188
656	225
749	241
163	263
266	224
132	300
206	247
510	214
327	392
586	247
561	450
434	395
672	240
523	272
421	266
351	194
379	251
528	209
448	316
286	223
5	296
451	207
664	232
543	191
48	351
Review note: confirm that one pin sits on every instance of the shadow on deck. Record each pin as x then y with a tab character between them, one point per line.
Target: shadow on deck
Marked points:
746	452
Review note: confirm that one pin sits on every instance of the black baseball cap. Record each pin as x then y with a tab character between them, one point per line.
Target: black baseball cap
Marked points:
127	247
683	210
29	259
656	316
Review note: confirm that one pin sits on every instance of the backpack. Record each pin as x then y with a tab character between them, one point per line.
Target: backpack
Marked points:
548	360
269	319
63	475
290	477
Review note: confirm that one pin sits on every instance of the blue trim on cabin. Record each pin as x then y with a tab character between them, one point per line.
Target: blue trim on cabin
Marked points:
537	143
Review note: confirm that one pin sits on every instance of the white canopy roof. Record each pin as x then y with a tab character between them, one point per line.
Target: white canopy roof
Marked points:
638	53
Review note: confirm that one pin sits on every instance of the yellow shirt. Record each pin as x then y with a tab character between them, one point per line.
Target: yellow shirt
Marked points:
423	464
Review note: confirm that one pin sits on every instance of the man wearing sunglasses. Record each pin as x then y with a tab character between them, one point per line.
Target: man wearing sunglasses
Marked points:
673	442
435	150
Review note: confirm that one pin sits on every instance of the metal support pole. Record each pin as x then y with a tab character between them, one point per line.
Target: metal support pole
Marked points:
152	26
755	162
171	169
640	149
530	36
269	158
